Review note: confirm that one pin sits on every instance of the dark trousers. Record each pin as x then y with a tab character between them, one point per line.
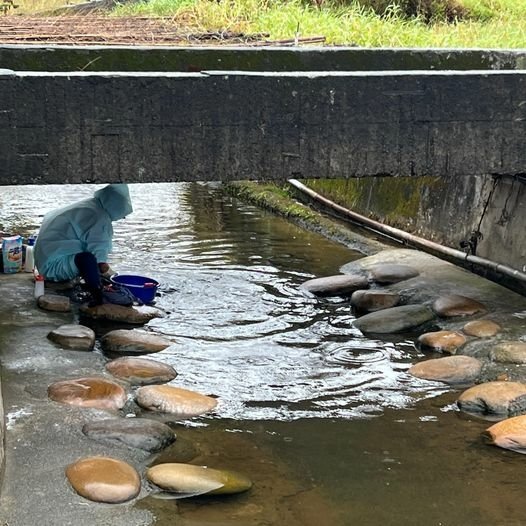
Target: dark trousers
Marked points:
89	272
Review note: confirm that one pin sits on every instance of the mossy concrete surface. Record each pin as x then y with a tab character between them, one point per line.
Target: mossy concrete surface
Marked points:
443	210
280	200
239	58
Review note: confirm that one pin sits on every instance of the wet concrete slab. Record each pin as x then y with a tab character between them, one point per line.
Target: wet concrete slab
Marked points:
42	437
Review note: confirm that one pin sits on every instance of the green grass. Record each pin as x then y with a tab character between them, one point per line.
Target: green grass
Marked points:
491	23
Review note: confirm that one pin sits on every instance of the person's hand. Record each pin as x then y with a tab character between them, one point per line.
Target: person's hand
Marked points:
105	270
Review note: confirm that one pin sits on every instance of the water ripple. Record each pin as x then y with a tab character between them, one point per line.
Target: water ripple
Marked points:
346	355
241	326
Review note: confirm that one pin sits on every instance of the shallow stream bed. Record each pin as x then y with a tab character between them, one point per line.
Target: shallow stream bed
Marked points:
326	422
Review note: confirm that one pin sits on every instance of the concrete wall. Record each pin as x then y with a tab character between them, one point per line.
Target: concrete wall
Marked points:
80	127
193	59
444	210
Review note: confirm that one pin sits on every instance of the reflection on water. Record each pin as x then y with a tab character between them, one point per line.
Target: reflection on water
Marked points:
242	329
292	375
424	466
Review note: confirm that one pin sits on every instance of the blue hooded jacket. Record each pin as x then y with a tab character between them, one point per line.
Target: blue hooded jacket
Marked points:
85	226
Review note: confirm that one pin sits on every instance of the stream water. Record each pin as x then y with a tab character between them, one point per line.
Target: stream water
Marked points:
327	422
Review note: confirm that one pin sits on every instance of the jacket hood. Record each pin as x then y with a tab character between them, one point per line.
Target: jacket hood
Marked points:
115	199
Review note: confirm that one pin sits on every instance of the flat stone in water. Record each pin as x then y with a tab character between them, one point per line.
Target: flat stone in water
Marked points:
140	433
141	371
442	341
54	303
391	273
395	319
494	398
481	328
339	285
508	434
457	305
197	480
88	392
509	352
133	342
180	402
374	300
132	315
71	336
450	370
104	479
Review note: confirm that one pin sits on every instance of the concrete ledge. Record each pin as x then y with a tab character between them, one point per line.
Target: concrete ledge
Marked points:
153	127
167	58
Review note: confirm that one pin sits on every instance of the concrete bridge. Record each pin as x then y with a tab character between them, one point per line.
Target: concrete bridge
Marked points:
106	114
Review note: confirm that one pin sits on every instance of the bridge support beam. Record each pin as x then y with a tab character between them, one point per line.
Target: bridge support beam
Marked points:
66	127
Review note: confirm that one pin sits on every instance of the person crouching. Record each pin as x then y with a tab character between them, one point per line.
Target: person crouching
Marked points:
76	240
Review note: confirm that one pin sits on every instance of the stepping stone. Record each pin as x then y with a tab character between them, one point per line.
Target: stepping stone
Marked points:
494	398
88	392
339	285
132	315
373	300
140	433
509	352
180	402
456	305
197	480
508	434
442	341
391	273
71	336
450	370
104	479
54	303
133	342
395	319
141	371
481	328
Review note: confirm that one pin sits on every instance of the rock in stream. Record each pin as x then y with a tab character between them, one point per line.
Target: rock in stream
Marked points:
456	305
179	402
450	370
198	480
395	319
339	285
140	433
500	399
127	341
71	336
104	479
141	371
88	392
442	341
508	434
